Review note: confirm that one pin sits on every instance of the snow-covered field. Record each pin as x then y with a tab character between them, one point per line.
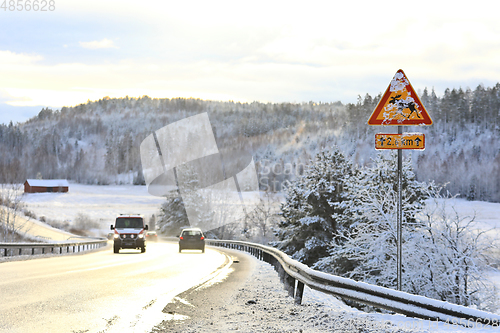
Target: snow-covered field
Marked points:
319	312
486	214
101	203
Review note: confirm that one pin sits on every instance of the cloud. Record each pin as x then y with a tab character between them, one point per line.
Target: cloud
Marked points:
9	58
16	114
101	44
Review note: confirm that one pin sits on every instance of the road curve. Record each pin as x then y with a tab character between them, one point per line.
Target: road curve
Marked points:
101	291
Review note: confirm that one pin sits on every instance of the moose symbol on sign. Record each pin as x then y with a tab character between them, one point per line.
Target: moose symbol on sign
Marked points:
408	103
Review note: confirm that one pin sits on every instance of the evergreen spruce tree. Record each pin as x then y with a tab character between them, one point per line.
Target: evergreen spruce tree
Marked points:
174	214
370	211
312	208
172	217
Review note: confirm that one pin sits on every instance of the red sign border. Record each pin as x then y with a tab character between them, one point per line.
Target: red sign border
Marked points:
426	119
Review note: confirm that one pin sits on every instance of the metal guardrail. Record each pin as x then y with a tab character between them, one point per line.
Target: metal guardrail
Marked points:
17	249
294	275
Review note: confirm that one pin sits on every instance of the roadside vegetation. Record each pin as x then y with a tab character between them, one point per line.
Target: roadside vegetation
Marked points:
341	219
13	214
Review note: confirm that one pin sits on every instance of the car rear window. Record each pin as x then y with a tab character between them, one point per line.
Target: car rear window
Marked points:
191	233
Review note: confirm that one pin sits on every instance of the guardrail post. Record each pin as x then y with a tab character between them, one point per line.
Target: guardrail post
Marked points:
289	284
299	293
281	273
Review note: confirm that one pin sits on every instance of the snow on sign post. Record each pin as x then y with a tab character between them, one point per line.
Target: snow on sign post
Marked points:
400	106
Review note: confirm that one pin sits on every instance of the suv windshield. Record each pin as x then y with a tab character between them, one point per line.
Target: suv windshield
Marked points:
129	223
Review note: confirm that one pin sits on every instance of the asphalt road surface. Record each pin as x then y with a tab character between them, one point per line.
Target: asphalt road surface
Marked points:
102	291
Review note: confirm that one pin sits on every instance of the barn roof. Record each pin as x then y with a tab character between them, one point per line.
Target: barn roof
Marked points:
48	182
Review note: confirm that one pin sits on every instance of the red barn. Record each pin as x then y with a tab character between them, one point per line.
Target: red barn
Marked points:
46	185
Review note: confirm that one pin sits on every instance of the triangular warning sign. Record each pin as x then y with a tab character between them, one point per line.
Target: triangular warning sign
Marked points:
400	105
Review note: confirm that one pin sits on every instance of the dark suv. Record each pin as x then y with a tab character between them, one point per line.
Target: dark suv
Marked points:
129	233
192	239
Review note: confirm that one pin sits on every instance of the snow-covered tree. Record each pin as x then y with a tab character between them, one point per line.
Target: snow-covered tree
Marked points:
172	217
368	246
259	223
443	257
451	261
311	212
190	202
13	216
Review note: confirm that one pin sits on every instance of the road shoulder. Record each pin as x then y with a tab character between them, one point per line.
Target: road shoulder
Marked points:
252	299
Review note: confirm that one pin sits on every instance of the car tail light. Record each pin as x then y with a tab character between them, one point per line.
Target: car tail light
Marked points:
202	238
181	237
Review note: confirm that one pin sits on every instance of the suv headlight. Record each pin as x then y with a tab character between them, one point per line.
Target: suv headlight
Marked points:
116	235
141	236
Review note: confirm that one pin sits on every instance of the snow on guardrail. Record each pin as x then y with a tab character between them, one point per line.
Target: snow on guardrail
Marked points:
17	249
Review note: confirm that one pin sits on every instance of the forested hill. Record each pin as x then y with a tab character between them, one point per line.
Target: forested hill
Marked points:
98	142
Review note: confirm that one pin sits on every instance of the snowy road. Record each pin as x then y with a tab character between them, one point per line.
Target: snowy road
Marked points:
100	291
272	311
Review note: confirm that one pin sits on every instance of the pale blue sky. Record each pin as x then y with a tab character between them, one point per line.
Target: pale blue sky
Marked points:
275	51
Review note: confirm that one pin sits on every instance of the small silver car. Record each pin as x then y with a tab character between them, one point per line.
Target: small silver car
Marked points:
192	239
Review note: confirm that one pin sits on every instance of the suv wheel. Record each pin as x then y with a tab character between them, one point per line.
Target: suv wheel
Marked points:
116	249
143	249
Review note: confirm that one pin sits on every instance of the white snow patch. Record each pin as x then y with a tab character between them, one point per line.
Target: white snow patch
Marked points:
272	310
101	203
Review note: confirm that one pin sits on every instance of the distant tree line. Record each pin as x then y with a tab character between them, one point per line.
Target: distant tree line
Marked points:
98	142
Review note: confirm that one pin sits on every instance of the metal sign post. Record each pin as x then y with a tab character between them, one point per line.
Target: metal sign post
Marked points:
400	106
400	213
